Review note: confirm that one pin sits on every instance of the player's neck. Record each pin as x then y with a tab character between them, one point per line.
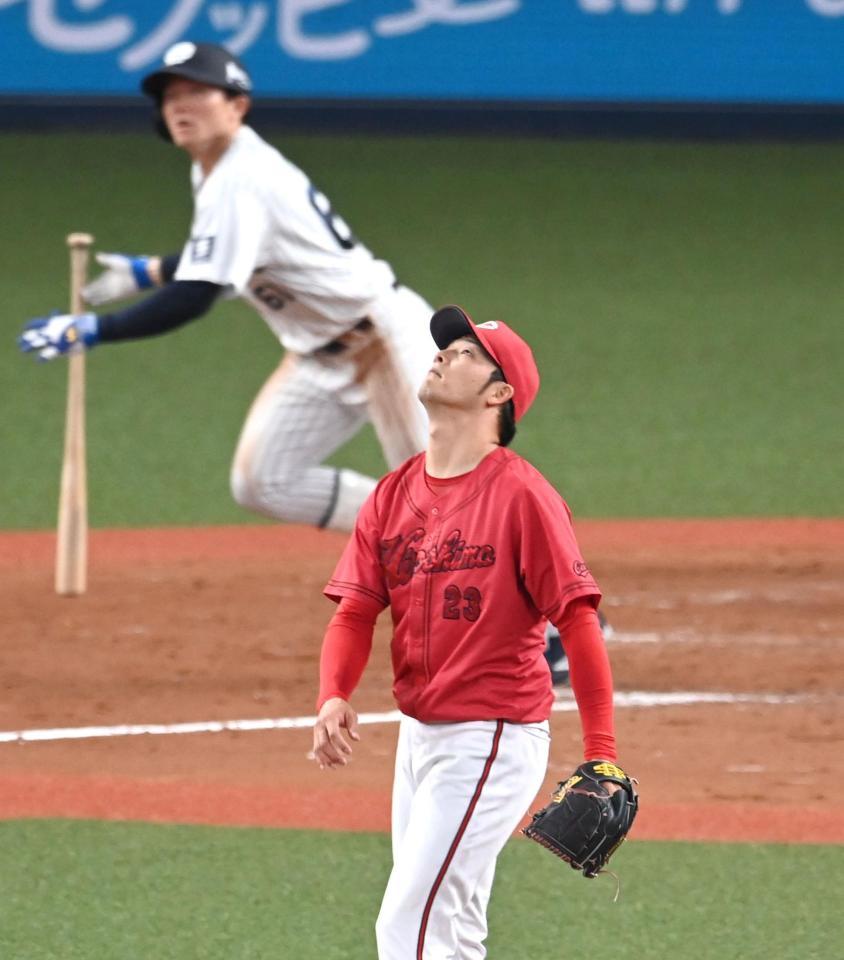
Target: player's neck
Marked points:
208	154
455	447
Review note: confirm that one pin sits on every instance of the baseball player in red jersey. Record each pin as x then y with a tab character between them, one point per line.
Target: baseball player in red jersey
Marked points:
472	549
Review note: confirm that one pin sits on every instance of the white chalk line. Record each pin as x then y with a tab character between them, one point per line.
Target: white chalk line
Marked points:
564	704
823	637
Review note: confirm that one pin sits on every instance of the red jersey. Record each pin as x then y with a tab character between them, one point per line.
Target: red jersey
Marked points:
470	569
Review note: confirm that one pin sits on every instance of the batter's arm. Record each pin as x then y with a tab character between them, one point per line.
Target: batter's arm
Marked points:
168	308
124	275
143	272
167	267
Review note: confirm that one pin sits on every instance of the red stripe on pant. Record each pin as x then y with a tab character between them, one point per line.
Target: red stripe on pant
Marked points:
464	823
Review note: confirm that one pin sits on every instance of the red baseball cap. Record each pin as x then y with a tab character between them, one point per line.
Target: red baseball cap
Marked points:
504	345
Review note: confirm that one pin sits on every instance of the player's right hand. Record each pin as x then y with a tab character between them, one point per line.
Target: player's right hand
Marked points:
331	749
49	337
123	277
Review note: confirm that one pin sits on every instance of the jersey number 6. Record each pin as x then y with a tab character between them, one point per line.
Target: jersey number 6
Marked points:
453	596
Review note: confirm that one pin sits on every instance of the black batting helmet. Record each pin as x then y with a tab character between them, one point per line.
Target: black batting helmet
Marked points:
201	62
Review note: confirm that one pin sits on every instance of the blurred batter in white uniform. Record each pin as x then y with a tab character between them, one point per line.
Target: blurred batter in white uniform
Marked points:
357	343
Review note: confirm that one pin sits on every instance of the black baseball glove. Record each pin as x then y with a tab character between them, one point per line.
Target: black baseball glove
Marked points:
584	823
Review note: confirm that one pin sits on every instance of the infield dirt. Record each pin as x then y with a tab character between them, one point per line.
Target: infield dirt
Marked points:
226	622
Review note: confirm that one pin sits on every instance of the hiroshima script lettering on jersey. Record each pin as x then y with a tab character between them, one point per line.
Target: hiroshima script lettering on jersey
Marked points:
405	555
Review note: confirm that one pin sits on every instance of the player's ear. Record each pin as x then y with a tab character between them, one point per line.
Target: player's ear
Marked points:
500	394
242	104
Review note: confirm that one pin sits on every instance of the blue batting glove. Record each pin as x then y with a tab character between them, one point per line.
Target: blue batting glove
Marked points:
60	333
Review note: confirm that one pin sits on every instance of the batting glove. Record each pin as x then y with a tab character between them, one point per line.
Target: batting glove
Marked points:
123	277
50	337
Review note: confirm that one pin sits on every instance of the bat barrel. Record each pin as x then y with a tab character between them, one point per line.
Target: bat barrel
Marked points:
72	541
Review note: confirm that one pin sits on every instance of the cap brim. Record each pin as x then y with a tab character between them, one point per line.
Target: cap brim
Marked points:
153	85
449	324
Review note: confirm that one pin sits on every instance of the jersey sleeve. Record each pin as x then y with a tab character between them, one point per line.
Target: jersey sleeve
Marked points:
346	648
227	234
359	572
591	678
552	568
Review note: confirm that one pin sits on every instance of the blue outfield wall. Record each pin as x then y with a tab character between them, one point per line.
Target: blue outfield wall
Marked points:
773	53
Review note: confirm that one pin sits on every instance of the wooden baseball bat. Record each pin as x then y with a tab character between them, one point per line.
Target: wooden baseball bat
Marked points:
72	543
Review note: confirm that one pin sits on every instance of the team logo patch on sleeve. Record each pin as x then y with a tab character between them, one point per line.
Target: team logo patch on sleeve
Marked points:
201	249
580	568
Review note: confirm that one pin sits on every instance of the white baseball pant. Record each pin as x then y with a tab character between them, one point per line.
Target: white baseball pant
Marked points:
460	790
312	404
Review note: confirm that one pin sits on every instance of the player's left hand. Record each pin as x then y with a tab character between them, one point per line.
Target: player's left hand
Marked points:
123	276
589	815
49	337
331	749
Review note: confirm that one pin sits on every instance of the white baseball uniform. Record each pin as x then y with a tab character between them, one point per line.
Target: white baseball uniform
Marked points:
357	342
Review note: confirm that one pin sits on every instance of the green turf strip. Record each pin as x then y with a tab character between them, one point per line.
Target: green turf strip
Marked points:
684	301
108	891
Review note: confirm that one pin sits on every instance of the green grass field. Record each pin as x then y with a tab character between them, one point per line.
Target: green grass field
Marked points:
105	891
684	301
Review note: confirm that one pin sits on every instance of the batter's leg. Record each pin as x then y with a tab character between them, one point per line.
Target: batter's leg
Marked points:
403	354
294	424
